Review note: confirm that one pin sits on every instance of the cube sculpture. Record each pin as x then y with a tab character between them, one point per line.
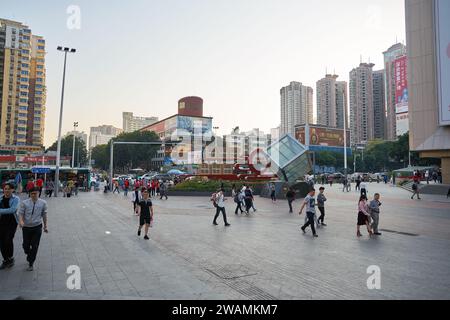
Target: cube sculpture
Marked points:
289	159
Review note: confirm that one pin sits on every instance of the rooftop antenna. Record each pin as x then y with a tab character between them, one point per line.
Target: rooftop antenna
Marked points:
360	58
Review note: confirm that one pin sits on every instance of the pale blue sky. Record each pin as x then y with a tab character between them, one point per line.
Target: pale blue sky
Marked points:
142	56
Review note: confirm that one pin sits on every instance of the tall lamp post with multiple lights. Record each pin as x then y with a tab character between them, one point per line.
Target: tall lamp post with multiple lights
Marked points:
75	125
58	150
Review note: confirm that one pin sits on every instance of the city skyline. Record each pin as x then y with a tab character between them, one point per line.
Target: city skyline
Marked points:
108	74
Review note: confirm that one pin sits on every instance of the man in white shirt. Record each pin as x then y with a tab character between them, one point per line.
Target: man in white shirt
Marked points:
220	202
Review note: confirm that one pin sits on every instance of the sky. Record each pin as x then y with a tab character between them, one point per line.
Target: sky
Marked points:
142	56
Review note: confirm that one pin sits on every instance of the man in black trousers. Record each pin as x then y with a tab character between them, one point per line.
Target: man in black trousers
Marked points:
32	215
9	204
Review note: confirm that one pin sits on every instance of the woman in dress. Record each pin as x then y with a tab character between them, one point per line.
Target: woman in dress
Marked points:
363	216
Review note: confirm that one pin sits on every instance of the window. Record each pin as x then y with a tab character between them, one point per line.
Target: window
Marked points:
24	108
23	100
24	72
41	41
40	60
37	119
24	79
26	37
21	136
21	129
23	86
39	73
25	51
39	86
25	65
38	92
24	115
41	47
40	66
37	112
23	94
38	79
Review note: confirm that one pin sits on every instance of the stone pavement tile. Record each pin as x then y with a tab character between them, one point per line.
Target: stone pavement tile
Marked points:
118	276
129	292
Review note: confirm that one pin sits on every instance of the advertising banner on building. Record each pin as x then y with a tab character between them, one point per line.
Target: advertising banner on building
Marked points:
319	136
401	85
402	123
442	14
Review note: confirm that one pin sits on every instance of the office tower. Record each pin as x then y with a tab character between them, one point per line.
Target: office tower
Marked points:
132	123
361	104
394	53
379	110
429	63
331	101
296	107
22	85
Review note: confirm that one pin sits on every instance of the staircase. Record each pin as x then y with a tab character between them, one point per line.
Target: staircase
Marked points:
432	188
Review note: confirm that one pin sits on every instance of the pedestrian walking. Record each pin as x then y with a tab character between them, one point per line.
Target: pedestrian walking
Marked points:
126	187
427	176
272	193
116	186
248	199
32	216
145	211
415	189
49	187
363	187
321	205
290	196
310	203
358	183
330	180
374	210
363	216
163	190
220	207
238	199
136	198
9	204
40	185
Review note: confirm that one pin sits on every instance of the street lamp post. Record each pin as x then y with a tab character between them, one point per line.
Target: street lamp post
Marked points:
58	150
75	125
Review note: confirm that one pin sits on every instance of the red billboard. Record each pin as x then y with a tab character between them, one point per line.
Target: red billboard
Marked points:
401	85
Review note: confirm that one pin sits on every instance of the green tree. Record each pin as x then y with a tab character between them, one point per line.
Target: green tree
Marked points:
127	157
67	148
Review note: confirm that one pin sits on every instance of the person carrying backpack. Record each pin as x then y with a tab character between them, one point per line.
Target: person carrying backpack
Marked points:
248	200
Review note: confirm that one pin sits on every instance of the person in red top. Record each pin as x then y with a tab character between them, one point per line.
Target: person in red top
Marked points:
126	185
29	186
40	184
153	188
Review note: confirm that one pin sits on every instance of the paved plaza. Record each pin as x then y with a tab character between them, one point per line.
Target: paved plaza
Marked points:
261	256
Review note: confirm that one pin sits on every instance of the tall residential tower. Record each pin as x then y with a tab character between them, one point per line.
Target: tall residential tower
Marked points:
22	85
361	104
331	101
296	102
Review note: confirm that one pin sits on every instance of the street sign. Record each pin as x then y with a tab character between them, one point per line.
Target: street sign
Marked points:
40	170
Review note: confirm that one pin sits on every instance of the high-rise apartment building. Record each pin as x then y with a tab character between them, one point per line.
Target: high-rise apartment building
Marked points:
22	85
79	134
341	104
132	123
361	104
394	53
296	107
379	109
331	101
102	135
